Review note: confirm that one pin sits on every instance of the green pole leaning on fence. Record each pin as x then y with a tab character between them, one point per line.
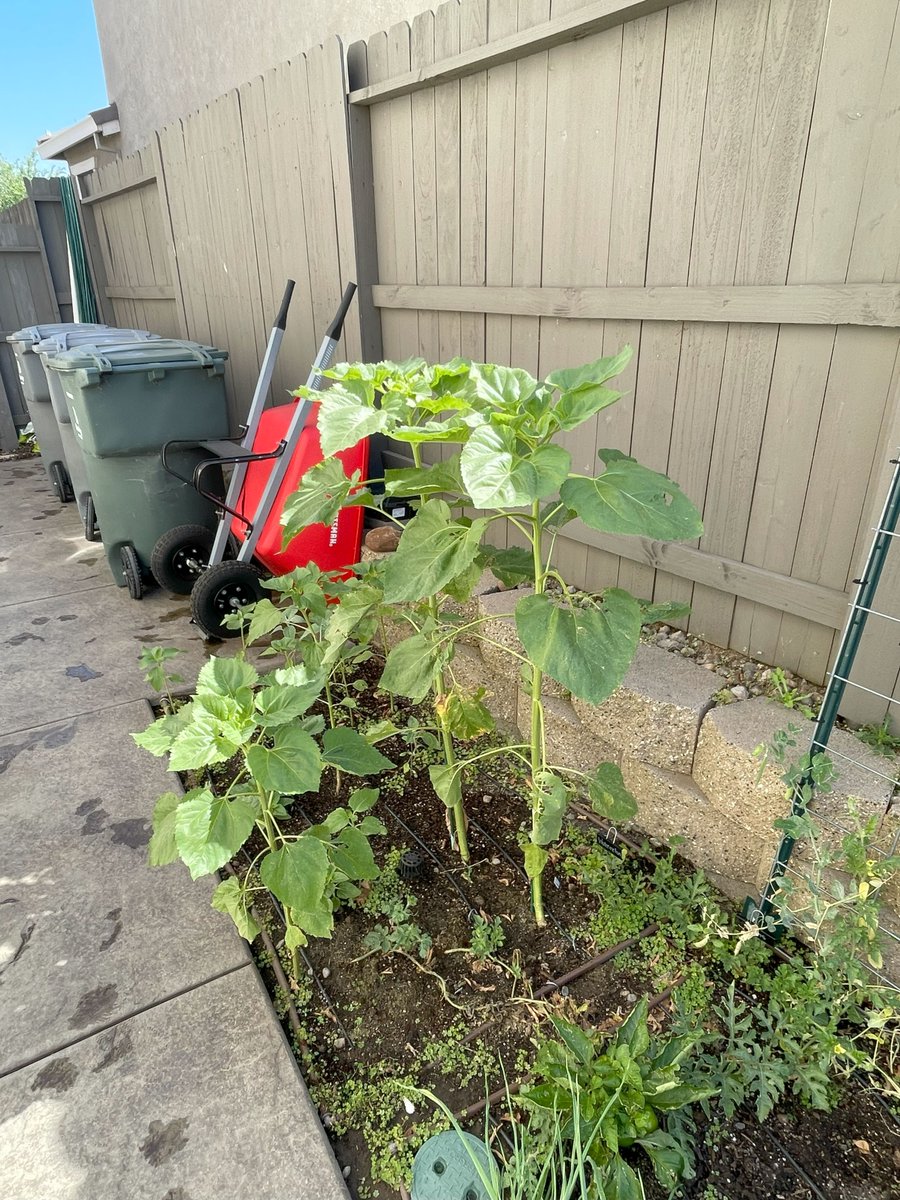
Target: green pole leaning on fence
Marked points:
867	585
86	302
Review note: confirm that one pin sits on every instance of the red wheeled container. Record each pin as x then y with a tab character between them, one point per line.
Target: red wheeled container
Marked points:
279	445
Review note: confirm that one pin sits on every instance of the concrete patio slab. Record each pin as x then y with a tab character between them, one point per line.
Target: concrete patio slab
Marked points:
139	1054
89	932
196	1099
78	653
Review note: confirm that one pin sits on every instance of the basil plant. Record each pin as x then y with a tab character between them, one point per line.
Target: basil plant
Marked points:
506	466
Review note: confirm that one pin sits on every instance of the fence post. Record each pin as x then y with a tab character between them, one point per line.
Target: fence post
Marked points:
362	187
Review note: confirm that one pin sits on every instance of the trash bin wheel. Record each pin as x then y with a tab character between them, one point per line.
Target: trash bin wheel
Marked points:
131	569
221	590
91	531
59	479
180	557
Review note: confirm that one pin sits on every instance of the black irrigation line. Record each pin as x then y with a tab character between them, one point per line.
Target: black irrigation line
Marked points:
470	907
789	1158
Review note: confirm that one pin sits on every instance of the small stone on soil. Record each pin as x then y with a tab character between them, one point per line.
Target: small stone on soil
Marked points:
740	692
326	971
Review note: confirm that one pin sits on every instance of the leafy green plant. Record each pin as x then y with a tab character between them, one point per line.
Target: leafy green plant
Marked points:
511	469
391	898
790	697
545	1160
152	662
14	172
817	1017
624	1084
880	739
399	934
488	936
279	750
27	437
321	623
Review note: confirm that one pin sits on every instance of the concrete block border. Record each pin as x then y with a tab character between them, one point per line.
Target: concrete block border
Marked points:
690	762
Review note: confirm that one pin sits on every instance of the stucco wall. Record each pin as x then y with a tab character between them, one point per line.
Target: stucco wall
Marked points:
163	58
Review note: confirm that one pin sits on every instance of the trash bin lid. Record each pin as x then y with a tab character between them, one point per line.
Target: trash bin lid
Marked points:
37	333
160	353
58	342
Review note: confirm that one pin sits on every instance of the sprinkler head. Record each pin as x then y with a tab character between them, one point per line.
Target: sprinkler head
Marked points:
411	865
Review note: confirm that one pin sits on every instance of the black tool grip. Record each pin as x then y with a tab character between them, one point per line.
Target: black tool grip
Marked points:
334	329
281	319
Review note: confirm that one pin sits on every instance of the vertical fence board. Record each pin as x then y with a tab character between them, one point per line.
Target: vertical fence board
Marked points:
688	45
473	31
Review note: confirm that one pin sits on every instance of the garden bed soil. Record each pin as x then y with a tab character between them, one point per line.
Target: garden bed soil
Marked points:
376	1025
381	1012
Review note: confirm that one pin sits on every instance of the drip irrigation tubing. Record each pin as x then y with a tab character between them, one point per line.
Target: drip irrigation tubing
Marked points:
801	1174
577	972
470	907
593	963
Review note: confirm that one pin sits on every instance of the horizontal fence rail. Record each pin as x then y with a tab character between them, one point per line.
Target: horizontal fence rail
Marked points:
800	304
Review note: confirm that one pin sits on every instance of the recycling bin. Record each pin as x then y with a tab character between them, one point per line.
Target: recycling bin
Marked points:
74	459
125	400
37	400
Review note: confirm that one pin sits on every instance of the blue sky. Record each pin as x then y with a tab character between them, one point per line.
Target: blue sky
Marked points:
51	73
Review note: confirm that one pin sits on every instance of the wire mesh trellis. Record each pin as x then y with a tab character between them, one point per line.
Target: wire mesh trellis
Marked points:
764	912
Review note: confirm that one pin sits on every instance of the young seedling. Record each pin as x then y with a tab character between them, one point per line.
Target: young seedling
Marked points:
152	662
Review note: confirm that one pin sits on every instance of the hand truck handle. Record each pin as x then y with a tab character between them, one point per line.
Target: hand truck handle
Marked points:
281	319
334	329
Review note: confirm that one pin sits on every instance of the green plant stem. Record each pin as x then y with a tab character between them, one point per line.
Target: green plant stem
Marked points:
266	824
460	823
537	720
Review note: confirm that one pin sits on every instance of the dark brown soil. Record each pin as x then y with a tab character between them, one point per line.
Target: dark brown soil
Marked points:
852	1153
379	1016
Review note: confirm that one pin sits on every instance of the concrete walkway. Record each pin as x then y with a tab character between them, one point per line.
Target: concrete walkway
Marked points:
139	1054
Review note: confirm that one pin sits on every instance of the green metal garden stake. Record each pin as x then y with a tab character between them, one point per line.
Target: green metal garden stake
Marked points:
862	606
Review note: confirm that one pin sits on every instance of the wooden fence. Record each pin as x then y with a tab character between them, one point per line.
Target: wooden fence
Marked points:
34	285
540	181
197	234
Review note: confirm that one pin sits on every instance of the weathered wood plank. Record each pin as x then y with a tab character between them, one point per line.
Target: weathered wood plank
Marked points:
620	427
814	602
501	176
583	78
682	108
447	152
876	305
120	189
581	23
473	32
424	163
363	200
150	291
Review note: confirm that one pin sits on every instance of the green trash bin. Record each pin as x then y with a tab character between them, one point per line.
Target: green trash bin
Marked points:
56	344
37	399
125	401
